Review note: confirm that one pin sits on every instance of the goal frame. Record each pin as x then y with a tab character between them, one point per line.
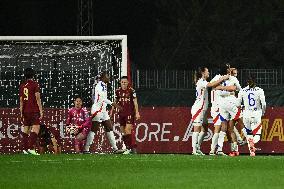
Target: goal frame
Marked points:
123	39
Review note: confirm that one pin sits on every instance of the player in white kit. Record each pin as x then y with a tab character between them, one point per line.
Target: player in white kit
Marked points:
254	108
199	108
234	72
228	111
215	114
100	115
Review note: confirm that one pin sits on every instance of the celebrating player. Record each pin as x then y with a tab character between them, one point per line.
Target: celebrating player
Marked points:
234	72
100	114
31	111
78	123
254	107
199	107
126	98
215	114
228	111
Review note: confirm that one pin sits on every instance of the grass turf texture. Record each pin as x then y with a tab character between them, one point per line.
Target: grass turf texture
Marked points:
140	171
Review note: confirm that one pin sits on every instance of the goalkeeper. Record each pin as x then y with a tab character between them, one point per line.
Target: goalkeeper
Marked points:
78	123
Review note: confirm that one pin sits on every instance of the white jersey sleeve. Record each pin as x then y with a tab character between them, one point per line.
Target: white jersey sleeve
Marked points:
216	78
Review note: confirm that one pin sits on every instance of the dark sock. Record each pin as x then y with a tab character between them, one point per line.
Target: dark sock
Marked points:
25	141
133	141
33	138
127	141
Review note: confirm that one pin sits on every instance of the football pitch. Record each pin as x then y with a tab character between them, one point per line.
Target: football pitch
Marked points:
140	171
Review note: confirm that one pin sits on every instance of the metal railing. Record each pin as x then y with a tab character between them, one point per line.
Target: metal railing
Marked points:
183	79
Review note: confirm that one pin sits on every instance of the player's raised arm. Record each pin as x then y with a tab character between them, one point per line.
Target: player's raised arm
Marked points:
226	88
230	88
216	83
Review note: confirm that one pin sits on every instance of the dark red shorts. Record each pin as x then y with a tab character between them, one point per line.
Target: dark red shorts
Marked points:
126	119
31	119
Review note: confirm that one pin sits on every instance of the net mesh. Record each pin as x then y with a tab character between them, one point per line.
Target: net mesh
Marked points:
64	69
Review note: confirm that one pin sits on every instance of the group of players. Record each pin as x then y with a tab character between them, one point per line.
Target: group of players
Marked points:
231	104
79	123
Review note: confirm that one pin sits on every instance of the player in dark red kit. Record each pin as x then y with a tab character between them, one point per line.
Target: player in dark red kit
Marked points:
31	111
126	98
49	140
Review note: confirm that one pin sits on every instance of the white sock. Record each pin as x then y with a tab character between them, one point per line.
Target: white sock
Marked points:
214	142
256	139
232	147
89	141
239	138
123	146
194	141
245	132
201	136
236	147
221	139
111	140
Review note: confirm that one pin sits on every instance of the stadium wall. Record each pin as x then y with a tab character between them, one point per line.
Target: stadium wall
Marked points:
161	130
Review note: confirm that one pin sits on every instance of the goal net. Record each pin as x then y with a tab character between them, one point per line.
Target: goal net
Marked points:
66	66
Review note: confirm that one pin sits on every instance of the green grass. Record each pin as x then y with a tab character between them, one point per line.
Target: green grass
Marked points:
140	171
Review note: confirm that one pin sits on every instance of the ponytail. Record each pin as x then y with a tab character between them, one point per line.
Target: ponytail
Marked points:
198	73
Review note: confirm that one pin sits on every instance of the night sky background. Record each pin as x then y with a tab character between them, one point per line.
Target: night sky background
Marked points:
171	34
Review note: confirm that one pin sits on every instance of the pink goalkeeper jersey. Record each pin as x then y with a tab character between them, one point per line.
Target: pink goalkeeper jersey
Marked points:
77	116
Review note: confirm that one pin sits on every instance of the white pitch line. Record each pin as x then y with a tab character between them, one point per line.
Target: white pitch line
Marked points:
47	160
14	161
78	159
